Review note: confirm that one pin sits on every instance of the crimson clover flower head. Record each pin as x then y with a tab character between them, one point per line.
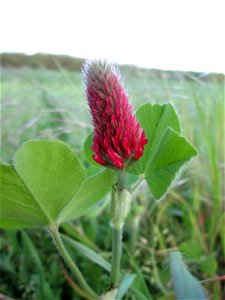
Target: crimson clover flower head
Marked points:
118	139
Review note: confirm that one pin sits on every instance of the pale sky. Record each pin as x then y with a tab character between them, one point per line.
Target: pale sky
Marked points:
169	34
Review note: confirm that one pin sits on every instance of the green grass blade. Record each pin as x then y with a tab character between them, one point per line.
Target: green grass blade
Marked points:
96	258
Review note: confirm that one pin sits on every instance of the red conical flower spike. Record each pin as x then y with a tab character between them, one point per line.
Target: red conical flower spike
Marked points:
118	139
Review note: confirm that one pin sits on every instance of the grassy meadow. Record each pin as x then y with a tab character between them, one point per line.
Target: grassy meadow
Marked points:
48	103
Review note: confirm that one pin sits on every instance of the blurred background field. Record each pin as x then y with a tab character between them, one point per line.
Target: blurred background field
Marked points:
42	97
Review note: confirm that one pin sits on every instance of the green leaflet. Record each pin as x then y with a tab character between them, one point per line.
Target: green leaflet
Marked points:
154	119
166	152
51	172
18	208
91	191
46	177
173	153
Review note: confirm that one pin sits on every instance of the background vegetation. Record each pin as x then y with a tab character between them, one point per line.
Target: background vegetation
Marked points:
42	98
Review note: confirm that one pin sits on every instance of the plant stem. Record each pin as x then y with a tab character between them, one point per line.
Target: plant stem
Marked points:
117	238
121	180
73	284
116	255
65	255
136	186
216	278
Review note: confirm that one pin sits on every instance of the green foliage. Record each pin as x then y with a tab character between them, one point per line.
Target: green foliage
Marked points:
185	284
51	172
139	286
166	151
90	192
125	285
191	248
18	208
45	186
91	255
27	267
44	291
154	119
208	264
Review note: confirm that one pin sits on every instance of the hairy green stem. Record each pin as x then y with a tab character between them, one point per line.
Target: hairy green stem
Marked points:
116	255
136	186
117	237
65	255
121	177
